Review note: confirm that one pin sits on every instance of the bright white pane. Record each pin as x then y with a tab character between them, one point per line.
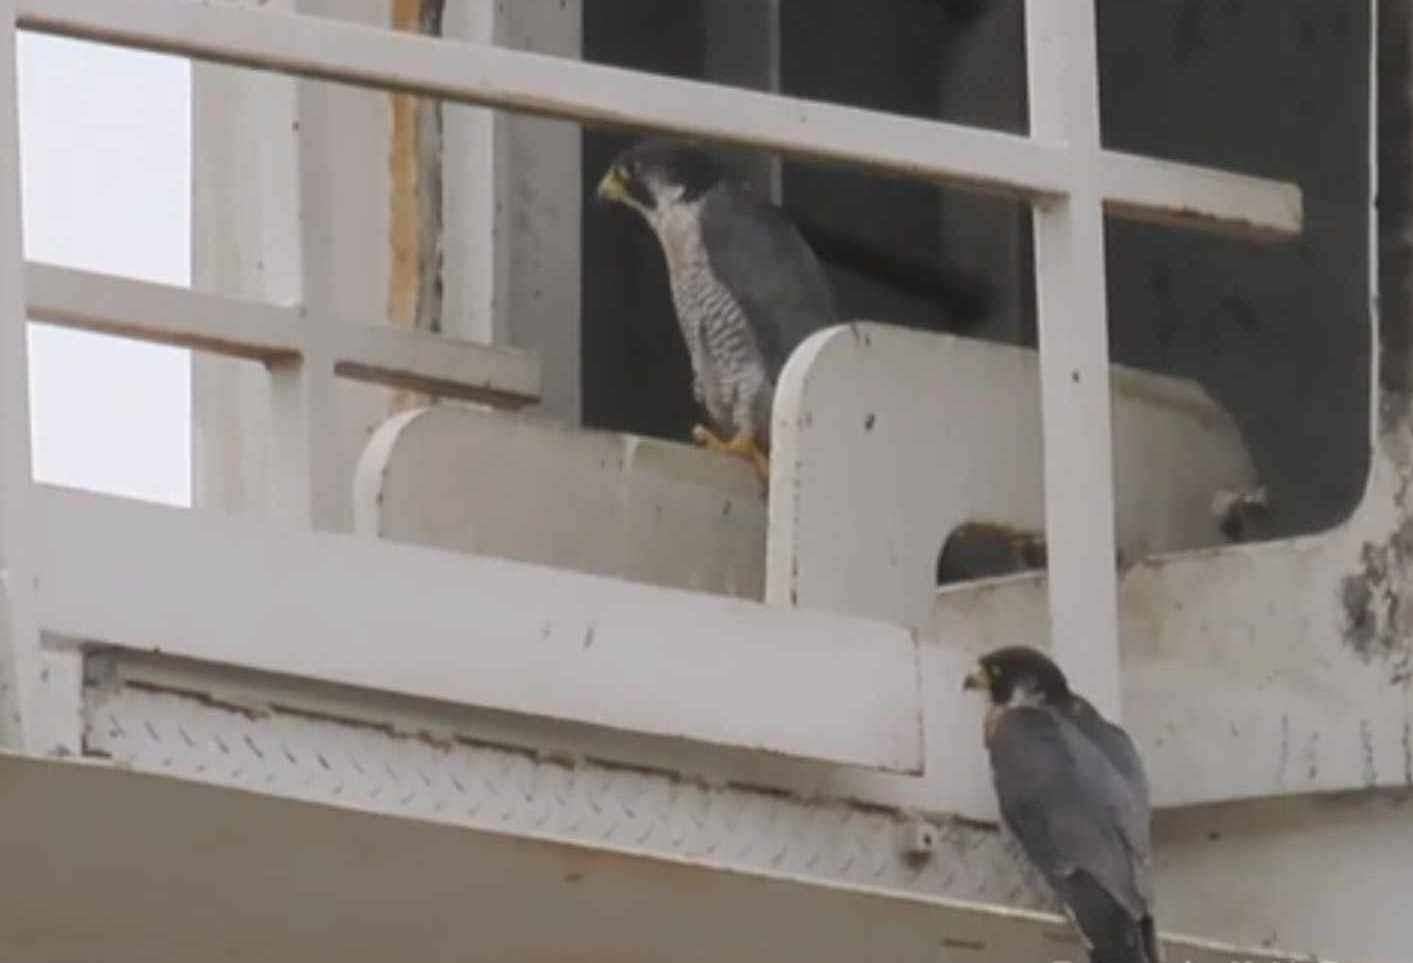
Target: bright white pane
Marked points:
105	156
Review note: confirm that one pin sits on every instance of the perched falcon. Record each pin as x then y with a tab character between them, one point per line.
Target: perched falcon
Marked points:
1072	789
746	287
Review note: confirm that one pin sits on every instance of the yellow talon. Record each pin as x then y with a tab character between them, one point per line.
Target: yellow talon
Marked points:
743	446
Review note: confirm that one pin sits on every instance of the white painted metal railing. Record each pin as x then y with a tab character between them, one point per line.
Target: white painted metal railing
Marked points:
1062	169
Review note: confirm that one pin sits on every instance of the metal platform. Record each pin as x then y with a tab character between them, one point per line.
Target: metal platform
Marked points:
114	865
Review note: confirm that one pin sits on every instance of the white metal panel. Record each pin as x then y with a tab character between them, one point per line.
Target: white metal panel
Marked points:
1242	678
642	509
124	867
479	632
887	439
477	74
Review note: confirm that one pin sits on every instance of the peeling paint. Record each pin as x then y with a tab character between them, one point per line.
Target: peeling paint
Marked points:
415	283
1371	598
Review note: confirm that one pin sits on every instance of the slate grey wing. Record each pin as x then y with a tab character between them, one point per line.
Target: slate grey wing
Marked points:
1115	744
1135	814
1062	798
760	257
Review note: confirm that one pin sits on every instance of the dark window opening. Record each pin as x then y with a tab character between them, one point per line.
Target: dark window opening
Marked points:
1278	334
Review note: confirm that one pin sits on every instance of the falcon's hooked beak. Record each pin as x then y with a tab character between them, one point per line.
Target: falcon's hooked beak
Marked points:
614	186
976	680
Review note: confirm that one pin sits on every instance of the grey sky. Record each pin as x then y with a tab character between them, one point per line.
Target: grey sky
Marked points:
105	151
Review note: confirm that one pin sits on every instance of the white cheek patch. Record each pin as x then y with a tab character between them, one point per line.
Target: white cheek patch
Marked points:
1025	693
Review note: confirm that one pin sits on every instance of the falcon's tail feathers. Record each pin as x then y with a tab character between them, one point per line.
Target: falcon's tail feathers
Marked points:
1113	935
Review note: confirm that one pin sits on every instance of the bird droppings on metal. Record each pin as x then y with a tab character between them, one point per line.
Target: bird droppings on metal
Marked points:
1369	772
1283	760
1407	751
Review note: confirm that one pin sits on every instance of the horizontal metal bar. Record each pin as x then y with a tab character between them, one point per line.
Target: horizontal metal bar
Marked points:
558	87
161	313
274	334
1184	195
478	631
978	159
436	365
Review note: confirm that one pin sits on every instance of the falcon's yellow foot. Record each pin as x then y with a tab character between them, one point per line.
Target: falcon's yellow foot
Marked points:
742	446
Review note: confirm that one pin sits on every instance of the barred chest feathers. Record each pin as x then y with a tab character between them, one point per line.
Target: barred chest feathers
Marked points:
728	368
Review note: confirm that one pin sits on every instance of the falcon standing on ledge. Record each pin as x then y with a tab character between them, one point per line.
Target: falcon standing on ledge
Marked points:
1072	789
746	287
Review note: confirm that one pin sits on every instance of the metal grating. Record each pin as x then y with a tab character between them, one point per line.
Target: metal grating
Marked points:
366	766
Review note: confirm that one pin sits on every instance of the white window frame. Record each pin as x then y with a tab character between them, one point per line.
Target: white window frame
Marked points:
1061	169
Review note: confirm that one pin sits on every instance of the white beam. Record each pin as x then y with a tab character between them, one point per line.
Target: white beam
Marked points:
1072	312
278	335
479	631
1183	195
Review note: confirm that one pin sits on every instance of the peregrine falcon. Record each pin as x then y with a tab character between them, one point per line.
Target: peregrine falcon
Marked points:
746	287
1072	789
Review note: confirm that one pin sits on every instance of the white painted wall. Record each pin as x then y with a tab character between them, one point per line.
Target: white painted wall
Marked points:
105	143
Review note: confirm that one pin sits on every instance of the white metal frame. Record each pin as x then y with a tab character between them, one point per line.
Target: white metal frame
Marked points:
1061	169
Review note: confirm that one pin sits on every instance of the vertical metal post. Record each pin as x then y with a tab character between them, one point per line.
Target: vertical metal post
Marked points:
1074	352
513	204
19	636
304	466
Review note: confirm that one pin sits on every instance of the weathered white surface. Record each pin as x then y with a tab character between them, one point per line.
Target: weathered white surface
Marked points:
472	73
1329	874
481	632
887	439
641	509
1243	674
179	869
